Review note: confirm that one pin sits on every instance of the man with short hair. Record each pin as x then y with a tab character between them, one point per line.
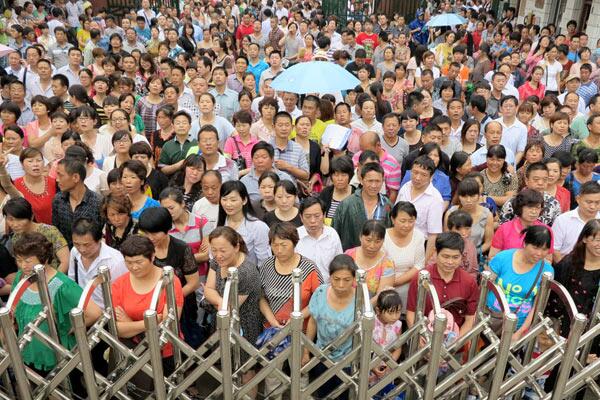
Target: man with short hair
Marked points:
289	155
259	37
290	102
351	46
392	172
427	200
175	150
588	88
369	40
263	155
452	284
568	226
15	66
572	85
477	110
226	99
74	200
360	58
59	51
245	28
131	42
364	204
514	132
392	143
318	242
536	178
60	89
234	80
275	68
89	252
71	70
492	136
256	65
17	96
42	85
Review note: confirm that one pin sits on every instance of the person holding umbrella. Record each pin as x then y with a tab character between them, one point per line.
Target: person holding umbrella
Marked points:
420	34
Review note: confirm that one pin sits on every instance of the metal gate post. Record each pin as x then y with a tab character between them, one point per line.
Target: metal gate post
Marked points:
508	328
153	339
85	355
296	325
367	325
169	272
10	342
437	338
566	364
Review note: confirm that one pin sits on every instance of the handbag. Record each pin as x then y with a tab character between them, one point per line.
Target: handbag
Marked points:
239	161
497	318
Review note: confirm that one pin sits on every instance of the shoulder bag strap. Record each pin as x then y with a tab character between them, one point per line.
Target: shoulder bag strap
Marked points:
76	270
537	277
237	147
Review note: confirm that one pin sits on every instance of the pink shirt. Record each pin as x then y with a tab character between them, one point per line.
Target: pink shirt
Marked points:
245	149
508	235
391	169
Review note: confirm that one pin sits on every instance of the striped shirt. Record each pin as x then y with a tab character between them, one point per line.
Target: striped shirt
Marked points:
192	232
293	154
391	170
278	289
147	111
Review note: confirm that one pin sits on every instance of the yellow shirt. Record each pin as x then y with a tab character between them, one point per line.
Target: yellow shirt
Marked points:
316	131
82	37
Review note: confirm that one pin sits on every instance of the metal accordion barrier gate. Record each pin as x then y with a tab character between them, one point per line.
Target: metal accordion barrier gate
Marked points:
500	368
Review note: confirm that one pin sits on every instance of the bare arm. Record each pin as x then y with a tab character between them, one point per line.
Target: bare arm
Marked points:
405	277
488	234
430	248
267	312
500	200
63	258
171	169
193	283
467	325
210	290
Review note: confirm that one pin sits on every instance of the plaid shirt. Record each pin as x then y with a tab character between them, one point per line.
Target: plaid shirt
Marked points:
63	215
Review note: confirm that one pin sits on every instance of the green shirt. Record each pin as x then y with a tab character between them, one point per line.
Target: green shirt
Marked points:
580	145
173	151
64	295
579	127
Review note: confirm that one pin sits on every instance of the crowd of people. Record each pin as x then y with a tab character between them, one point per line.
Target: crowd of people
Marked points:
156	139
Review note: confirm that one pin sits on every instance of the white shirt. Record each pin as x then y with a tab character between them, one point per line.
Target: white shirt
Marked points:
256	101
97	181
480	156
71	75
580	107
204	208
375	126
429	205
108	256
514	137
321	250
566	229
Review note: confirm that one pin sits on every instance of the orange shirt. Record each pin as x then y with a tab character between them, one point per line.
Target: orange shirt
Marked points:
463	75
135	304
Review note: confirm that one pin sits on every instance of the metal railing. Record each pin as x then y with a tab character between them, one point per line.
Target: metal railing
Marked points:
484	362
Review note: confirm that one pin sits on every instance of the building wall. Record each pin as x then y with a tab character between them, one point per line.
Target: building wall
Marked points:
569	9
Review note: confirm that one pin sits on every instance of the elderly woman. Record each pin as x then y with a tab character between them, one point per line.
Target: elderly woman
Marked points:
132	293
371	257
527	209
20	219
276	302
30	250
230	251
331	309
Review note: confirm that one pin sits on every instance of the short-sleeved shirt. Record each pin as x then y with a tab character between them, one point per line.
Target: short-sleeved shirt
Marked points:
462	292
392	172
64	296
566	229
508	235
63	214
429	205
293	154
52	234
41	203
383	268
515	286
331	323
149	203
173	151
439	180
135	304
278	289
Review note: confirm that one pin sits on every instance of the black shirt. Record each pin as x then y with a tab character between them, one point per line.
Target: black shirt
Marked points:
412	156
63	215
352	67
157	182
180	257
271	219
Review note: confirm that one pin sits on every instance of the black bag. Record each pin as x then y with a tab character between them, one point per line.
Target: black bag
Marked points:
239	161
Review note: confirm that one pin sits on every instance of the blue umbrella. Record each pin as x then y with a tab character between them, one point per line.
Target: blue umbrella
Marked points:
446	19
314	77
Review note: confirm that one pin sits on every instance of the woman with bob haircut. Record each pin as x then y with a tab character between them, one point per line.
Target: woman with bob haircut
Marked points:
36	186
116	210
528	206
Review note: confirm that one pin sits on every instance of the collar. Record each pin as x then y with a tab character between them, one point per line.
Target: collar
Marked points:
436	275
221	162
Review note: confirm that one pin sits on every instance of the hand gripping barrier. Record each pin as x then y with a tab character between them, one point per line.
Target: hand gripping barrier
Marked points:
491	365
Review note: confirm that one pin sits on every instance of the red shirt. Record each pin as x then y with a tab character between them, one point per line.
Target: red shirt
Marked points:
40	203
135	304
369	42
243	30
564	198
459	296
526	91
